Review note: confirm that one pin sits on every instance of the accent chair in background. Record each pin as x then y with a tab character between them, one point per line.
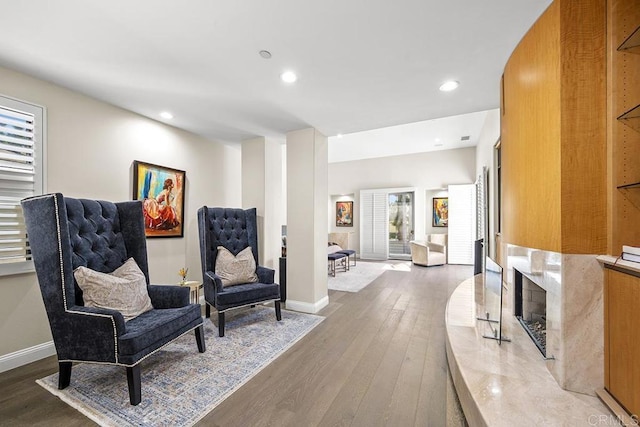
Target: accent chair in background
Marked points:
231	273
431	251
105	244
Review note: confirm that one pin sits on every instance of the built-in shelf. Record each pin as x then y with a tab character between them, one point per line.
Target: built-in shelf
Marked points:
628	186
632	43
631	118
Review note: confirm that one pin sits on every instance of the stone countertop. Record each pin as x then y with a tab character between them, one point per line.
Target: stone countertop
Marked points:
508	383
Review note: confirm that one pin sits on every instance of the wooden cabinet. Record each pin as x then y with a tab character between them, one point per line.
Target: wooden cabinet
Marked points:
622	284
622	338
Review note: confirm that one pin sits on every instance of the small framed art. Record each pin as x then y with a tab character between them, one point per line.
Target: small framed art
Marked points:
161	190
344	214
440	211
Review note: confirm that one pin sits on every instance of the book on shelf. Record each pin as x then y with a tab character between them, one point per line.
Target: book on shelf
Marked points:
630	257
633	250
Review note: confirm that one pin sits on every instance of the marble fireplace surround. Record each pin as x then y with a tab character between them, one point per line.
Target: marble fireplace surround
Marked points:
575	330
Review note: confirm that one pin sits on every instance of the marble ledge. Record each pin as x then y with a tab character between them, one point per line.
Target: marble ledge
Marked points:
506	384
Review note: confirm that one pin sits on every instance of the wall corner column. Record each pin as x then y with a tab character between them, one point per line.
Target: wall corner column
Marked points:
307	219
262	189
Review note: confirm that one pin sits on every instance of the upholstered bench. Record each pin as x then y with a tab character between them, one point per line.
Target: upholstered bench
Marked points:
349	253
333	257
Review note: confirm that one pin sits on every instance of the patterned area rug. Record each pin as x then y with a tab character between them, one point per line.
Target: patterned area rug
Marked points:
180	385
364	273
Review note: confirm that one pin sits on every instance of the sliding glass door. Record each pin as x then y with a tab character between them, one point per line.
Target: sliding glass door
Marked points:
401	220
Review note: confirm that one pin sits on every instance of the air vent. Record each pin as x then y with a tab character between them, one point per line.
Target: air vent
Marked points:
465	138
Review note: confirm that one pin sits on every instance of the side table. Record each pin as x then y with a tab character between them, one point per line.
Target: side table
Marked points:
194	290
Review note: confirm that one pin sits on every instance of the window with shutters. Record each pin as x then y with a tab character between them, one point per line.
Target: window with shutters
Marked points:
374	224
22	170
462	223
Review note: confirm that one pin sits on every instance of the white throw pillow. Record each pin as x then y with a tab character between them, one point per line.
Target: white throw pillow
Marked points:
124	289
236	270
332	249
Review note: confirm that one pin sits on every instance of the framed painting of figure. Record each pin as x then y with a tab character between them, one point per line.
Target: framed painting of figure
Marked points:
161	190
344	214
440	211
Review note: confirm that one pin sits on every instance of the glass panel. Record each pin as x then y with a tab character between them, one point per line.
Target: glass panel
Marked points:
401	211
493	301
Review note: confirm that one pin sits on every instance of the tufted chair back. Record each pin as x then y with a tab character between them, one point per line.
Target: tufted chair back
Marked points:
73	232
235	229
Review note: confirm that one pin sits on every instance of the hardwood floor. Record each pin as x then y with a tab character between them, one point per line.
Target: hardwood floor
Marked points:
378	359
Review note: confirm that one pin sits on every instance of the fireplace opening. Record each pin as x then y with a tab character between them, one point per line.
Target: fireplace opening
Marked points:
530	309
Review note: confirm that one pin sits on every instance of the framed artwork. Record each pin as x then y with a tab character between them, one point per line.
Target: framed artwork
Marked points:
161	190
440	211
344	214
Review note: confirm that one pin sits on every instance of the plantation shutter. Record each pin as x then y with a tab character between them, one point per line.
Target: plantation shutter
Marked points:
374	223
462	223
480	207
20	177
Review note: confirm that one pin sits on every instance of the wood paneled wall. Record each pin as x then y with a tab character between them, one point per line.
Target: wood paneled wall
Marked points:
584	142
553	132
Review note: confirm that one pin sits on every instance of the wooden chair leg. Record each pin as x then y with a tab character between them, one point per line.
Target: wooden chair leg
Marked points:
202	347
64	375
278	311
221	324
133	380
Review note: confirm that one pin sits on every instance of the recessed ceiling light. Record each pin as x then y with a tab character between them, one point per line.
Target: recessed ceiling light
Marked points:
449	86
265	54
288	77
166	115
339	135
437	139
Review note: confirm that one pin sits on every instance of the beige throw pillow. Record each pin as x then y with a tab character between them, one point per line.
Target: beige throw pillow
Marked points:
236	270
332	249
124	289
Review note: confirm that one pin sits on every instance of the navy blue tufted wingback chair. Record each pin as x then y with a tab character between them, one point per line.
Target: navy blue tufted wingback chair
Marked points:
234	229
66	233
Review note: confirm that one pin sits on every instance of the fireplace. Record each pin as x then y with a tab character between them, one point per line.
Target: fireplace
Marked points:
573	347
530	308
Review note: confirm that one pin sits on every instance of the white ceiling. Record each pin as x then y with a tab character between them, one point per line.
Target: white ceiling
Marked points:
446	133
362	64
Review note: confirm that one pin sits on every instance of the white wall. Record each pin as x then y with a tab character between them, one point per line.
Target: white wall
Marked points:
485	154
429	173
91	147
262	189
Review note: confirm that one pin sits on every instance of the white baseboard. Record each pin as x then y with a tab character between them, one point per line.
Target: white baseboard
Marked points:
27	355
307	307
